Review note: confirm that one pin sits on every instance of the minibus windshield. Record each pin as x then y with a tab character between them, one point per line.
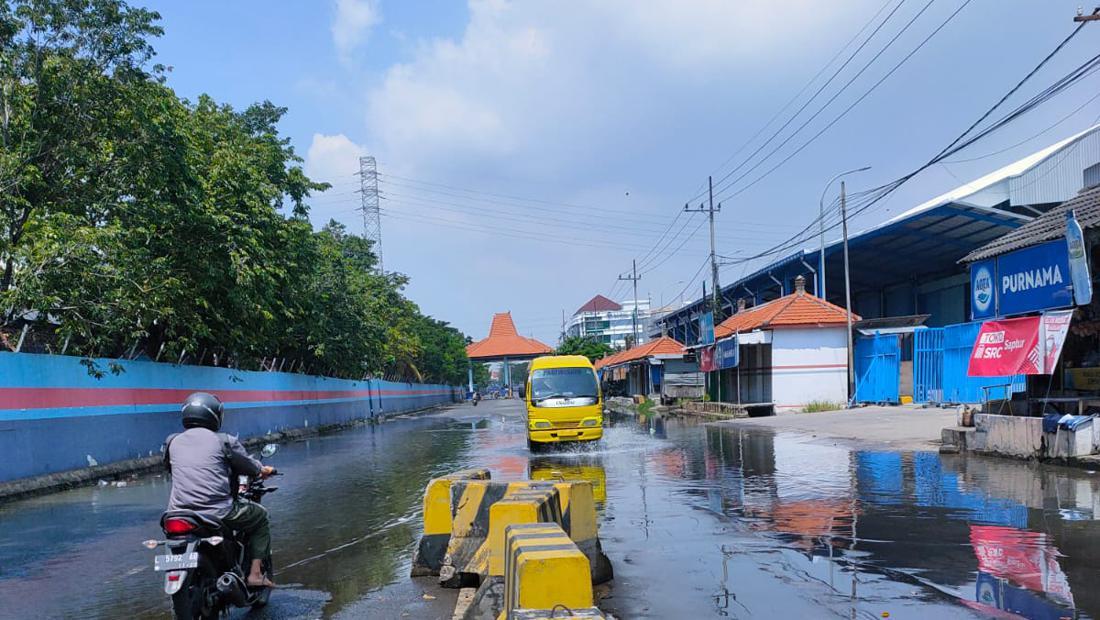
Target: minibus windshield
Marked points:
563	383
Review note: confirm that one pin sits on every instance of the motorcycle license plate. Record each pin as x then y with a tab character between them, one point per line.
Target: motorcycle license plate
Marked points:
176	562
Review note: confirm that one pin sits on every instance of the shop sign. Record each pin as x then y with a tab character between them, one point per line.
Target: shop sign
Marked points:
727	353
706	328
982	293
1035	278
1027	345
707	362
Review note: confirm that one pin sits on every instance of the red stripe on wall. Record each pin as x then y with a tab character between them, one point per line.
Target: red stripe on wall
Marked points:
45	398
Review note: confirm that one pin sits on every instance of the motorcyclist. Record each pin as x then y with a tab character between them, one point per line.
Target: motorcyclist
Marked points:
204	464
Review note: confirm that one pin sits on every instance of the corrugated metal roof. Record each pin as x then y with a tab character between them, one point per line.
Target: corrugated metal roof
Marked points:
1050	225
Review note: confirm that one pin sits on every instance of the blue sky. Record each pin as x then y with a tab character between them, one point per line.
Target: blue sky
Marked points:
581	128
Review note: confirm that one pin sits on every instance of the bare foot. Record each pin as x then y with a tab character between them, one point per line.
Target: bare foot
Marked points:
260	582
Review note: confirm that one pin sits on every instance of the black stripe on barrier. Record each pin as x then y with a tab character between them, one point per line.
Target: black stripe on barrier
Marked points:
494	492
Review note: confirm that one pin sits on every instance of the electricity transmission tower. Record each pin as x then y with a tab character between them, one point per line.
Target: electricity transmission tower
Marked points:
372	216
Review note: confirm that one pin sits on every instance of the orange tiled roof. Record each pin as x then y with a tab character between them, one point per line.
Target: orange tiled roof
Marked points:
660	346
504	340
798	309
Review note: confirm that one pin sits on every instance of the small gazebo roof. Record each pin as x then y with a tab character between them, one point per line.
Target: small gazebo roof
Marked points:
505	341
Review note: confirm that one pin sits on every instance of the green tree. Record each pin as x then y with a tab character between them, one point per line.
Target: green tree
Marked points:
132	220
589	347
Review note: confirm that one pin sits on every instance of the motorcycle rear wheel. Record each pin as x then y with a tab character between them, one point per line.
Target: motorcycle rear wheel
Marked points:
197	599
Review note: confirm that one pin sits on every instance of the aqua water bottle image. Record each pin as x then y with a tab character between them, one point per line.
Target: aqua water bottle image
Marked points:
1078	260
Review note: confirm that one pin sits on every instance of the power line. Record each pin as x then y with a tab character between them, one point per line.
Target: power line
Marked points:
962	142
389	178
866	66
813	97
702	186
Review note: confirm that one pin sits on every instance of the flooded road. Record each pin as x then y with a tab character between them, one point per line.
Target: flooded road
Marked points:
698	521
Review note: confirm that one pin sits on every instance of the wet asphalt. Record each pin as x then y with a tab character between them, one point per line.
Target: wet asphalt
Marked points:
699	520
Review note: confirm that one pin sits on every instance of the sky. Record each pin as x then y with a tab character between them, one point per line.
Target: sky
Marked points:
529	151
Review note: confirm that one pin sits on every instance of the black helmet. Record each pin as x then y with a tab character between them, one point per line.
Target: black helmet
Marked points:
202	409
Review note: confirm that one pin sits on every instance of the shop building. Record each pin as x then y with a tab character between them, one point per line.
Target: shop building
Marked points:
661	368
792	351
909	282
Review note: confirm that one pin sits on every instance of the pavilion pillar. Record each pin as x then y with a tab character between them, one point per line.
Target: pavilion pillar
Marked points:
507	378
470	374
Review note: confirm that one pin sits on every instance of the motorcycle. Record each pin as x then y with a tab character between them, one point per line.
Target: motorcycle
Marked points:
206	565
476	398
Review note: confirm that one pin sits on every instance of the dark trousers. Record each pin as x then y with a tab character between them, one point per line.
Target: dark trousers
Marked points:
251	519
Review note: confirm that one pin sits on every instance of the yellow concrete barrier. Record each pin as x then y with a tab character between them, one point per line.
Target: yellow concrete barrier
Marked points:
524	544
437	521
545	574
561	613
578	508
482	511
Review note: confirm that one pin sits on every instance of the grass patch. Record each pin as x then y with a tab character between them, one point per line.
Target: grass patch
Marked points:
815	406
646	407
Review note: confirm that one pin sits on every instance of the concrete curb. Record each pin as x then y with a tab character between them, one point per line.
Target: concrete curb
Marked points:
86	476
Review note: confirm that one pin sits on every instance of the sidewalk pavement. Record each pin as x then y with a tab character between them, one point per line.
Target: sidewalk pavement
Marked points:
897	428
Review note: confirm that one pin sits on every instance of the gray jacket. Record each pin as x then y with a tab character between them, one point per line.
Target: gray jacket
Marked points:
201	464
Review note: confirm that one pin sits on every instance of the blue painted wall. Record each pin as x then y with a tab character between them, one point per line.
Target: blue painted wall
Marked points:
55	416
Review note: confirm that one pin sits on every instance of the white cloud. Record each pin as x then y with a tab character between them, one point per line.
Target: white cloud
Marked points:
332	158
529	81
351	25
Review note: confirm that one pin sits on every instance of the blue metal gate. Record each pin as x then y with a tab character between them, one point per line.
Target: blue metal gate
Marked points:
928	365
958	387
877	366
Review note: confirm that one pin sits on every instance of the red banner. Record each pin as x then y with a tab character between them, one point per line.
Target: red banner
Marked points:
707	363
1005	348
1028	345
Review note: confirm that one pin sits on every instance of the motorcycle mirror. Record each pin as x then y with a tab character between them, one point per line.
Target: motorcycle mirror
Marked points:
269	449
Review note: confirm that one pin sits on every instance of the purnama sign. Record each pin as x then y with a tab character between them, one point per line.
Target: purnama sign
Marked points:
982	294
1035	278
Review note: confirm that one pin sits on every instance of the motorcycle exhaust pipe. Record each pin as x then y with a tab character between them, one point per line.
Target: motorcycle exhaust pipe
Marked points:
232	590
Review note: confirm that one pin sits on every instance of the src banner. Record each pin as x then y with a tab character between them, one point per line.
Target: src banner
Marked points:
1028	345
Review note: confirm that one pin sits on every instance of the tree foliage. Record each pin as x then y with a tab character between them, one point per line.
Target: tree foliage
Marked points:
589	347
134	221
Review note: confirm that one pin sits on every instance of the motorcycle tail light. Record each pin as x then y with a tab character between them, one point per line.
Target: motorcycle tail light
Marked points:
178	526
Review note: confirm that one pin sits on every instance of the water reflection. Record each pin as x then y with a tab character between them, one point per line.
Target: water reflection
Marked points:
982	530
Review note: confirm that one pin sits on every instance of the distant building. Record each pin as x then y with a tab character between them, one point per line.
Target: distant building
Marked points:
609	322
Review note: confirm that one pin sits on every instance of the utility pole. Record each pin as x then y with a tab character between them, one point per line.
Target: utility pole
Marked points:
372	215
847	290
562	325
1081	17
634	315
710	210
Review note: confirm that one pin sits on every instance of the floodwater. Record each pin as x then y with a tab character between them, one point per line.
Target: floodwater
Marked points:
698	521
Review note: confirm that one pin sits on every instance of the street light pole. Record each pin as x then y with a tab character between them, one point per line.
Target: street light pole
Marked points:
821	226
847	291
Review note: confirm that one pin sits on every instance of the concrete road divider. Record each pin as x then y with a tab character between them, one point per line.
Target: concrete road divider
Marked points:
482	511
544	570
578	508
514	540
560	613
437	521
